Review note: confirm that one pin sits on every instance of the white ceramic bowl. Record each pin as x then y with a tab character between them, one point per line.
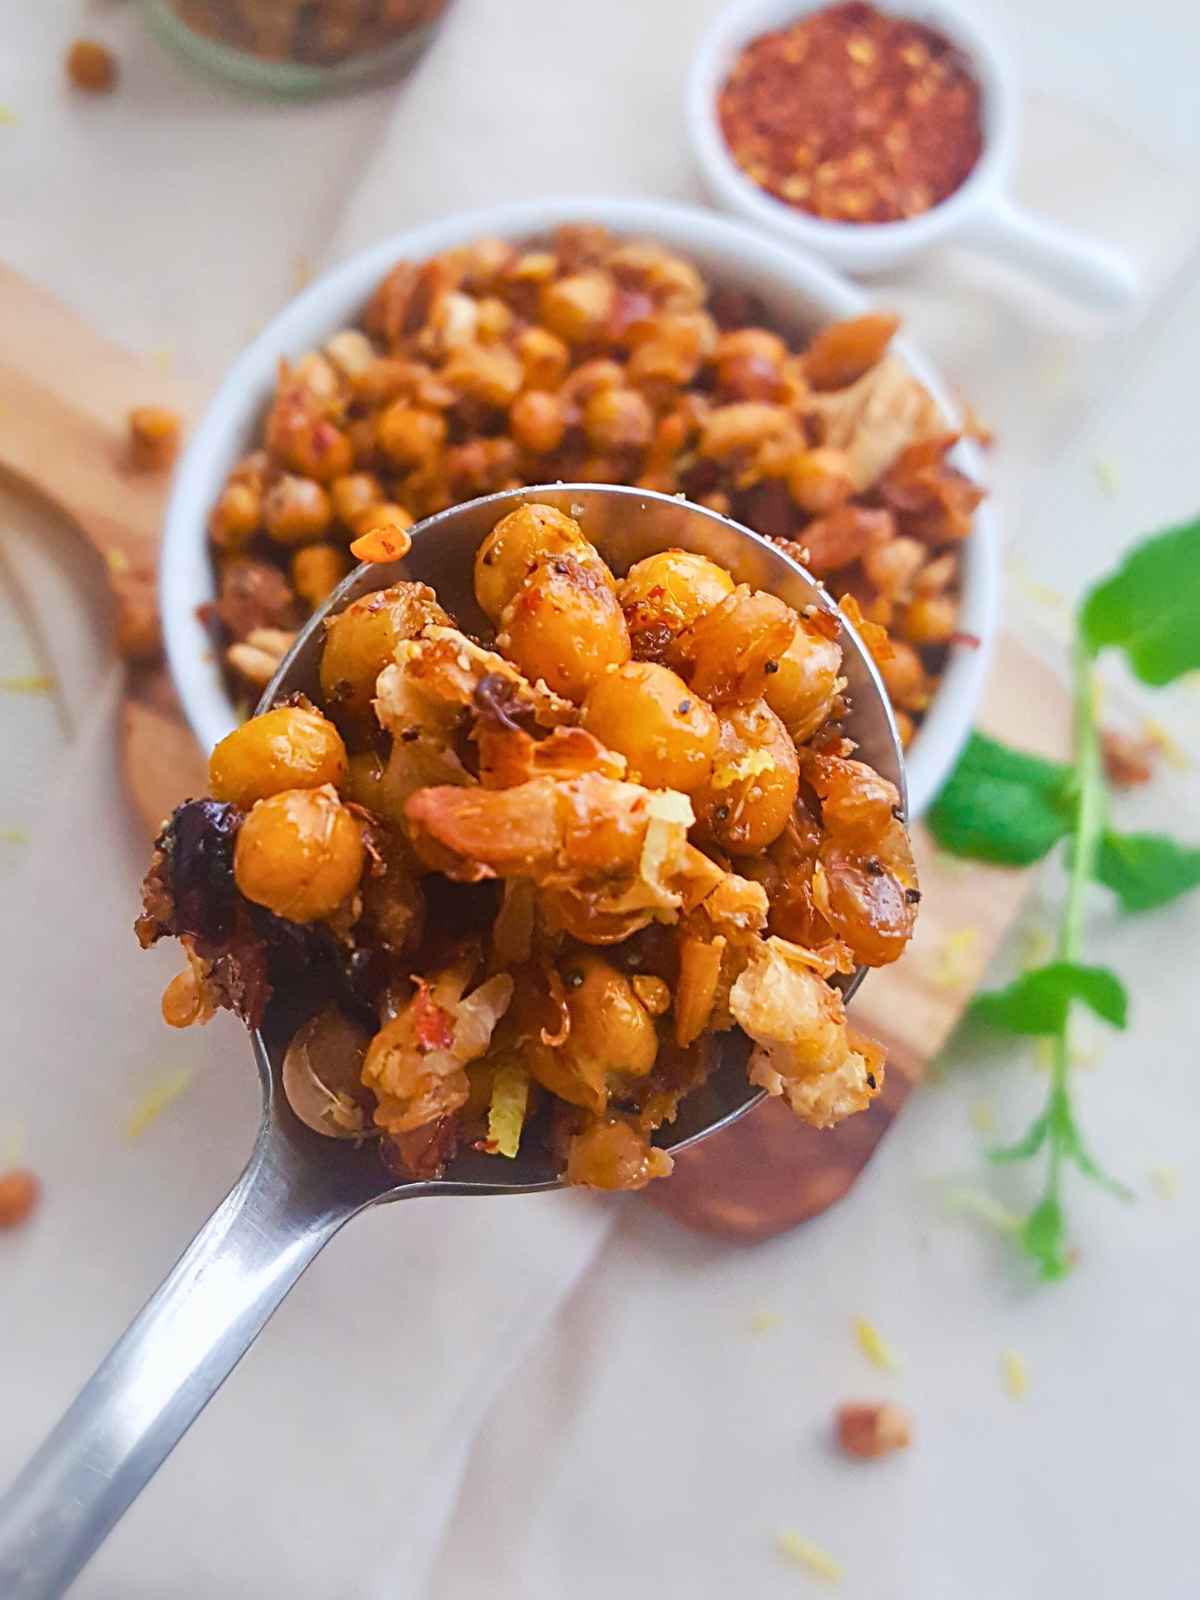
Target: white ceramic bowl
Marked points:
979	213
796	290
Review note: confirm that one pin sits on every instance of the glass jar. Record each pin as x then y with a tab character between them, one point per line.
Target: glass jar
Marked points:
297	47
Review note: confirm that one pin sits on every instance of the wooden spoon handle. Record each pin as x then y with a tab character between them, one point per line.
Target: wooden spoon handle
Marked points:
65	397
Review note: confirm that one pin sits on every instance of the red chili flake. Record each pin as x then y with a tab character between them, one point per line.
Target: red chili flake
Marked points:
19	1195
853	115
432	1023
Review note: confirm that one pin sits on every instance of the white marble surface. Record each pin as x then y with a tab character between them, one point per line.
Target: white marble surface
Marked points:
648	1417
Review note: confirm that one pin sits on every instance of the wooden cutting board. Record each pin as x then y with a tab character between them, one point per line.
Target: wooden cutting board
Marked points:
65	395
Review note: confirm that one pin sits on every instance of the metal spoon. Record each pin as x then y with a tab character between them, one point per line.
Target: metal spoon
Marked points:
298	1188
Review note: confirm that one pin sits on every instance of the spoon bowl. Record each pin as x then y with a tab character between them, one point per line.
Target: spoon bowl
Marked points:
299	1188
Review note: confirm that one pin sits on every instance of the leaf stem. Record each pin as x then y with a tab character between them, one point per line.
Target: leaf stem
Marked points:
1089	804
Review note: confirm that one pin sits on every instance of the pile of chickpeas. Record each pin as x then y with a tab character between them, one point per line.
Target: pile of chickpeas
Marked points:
587	357
319	32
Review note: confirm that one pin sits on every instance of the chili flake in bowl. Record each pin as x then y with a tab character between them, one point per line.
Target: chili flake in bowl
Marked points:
853	115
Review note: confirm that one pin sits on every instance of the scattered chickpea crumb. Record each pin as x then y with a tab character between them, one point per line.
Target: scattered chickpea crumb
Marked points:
956	962
138	633
388	542
19	1195
976	1203
1108	477
153	437
765	1321
1016	1374
868	1429
91	66
874	1346
1128	760
806	1554
1166	1181
302	273
28	683
156	1100
983	1117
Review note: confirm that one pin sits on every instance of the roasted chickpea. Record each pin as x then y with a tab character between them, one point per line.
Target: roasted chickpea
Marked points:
749	363
236	517
747	801
411	436
734	650
801	693
611	1032
509	553
291	747
564	625
819	480
649	715
544	357
353	494
317	571
305	440
612	1154
904	677
671	590
891	567
361	640
296	510
490	374
930	619
299	853
577	308
618	419
538	421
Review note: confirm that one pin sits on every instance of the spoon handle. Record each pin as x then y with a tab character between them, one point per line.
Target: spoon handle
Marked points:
161	1373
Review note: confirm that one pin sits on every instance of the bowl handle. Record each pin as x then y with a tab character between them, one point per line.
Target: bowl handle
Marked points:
1080	268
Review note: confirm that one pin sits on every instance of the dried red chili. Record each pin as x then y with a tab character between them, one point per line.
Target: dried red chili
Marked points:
853	116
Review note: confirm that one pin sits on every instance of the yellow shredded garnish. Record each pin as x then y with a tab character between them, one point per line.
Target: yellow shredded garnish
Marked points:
764	1321
117	560
978	1204
14	835
874	1346
1037	946
8	117
12	1144
806	1554
1039	593
1166	1181
746	767
955	964
1173	752
163	357
983	1117
1016	1374
29	683
506	1114
156	1100
1107	476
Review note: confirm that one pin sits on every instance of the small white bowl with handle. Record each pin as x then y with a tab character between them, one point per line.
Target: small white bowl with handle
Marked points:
979	213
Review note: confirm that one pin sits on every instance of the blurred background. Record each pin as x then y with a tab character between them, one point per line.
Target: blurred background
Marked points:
569	1393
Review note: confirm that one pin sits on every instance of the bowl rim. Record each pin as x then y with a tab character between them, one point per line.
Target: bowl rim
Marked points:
330	301
853	245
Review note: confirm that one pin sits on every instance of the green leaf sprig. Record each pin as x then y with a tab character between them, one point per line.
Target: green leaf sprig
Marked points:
1004	806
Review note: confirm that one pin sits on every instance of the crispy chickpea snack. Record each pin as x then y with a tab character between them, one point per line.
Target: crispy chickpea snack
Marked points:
521	888
589	358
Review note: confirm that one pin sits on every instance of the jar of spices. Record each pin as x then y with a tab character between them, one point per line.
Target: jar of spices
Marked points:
297	47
